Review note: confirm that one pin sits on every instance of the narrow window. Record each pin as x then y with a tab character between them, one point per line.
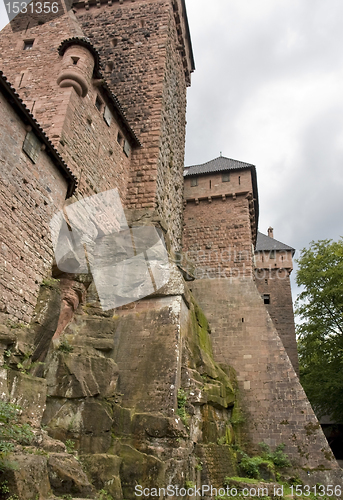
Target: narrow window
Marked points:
266	298
127	148
239	179
119	138
98	103
28	44
226	177
21	79
194	181
109	67
32	146
210	184
107	115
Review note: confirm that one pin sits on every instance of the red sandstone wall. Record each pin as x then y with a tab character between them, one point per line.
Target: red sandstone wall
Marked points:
29	196
217	237
73	123
140	40
281	259
276	283
275	405
213	185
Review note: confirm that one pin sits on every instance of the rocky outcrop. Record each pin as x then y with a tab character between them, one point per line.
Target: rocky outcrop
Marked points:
134	392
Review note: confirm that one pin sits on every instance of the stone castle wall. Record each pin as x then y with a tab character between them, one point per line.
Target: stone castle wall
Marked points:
77	128
217	237
276	284
275	407
29	196
139	41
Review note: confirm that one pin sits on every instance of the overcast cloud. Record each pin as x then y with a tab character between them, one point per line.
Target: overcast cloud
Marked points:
268	90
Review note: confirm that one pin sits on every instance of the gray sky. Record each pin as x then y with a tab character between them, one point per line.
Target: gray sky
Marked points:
268	90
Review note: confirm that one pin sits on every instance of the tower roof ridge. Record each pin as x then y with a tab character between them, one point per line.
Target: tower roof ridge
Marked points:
216	165
266	243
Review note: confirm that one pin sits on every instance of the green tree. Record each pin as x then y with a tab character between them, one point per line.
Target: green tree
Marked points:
320	333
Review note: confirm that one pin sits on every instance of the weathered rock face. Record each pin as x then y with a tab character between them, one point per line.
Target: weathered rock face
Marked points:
137	389
137	393
140	396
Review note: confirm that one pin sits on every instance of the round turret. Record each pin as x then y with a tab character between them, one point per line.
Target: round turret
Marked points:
77	67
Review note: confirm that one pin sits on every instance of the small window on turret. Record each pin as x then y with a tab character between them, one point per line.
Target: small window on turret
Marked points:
194	181
75	60
98	103
120	138
32	146
127	148
109	67
28	44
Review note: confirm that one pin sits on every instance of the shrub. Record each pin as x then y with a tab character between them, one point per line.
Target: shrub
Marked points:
278	457
11	432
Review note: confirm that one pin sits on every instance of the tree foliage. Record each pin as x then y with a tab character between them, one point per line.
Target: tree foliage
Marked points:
320	334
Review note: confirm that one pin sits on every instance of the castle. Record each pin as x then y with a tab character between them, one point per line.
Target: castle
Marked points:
93	98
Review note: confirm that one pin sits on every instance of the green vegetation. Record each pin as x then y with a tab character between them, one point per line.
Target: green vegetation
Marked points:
5	492
277	457
181	403
189	484
64	346
50	282
11	432
70	445
320	335
104	495
250	467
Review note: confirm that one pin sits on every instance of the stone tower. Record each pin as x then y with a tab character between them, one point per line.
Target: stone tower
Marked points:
256	338
274	264
145	59
221	217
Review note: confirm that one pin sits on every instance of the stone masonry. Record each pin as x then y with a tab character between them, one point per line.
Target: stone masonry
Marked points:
30	193
275	407
147	59
146	390
274	264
